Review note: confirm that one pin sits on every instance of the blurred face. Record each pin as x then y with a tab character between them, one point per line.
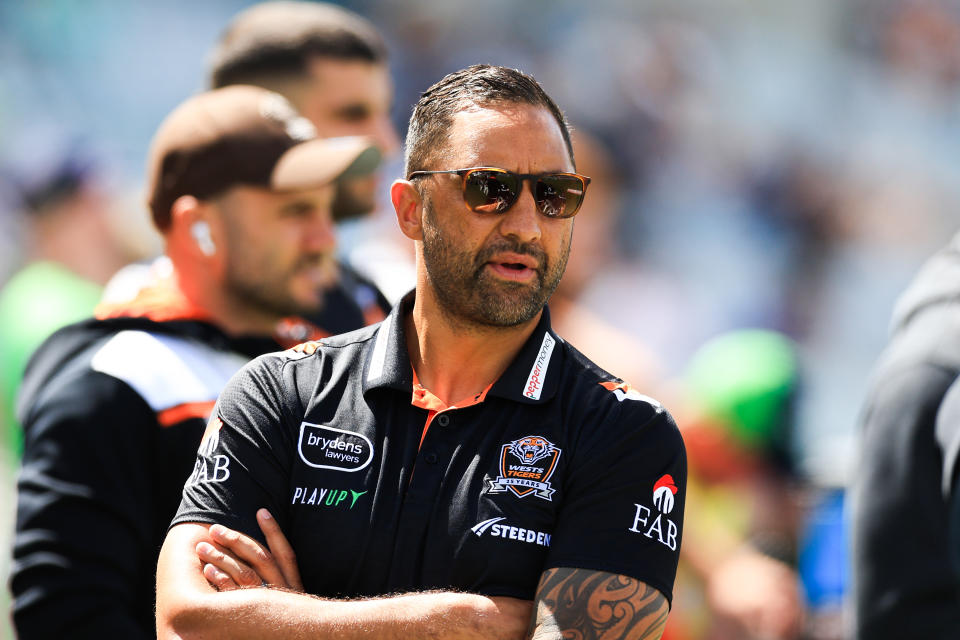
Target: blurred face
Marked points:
487	268
351	98
280	248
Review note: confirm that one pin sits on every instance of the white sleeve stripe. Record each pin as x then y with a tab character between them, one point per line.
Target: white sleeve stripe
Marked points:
166	370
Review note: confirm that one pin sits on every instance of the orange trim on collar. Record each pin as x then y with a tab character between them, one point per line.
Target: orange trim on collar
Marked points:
425	399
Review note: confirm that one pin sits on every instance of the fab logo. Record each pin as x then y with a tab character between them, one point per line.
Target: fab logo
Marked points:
210	466
659	527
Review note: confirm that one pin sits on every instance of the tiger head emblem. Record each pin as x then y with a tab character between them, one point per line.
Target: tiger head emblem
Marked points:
531	448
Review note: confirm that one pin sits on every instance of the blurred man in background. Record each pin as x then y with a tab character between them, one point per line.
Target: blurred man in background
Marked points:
332	66
72	246
67	242
113	408
906	528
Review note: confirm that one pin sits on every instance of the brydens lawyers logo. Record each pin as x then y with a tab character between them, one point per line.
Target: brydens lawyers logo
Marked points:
526	465
539	370
324	447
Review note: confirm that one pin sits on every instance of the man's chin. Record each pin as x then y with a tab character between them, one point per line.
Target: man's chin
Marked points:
307	305
509	304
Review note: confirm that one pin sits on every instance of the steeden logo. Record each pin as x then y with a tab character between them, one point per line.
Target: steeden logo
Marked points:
509	532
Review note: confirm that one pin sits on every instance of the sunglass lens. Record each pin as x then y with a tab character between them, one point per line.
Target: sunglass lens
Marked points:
490	191
559	196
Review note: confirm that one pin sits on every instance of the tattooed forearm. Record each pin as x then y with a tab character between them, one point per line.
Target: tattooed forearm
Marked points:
579	604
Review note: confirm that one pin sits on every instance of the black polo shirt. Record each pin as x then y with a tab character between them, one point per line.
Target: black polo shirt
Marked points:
557	464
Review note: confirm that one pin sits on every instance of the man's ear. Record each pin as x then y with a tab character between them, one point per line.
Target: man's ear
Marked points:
409	208
190	226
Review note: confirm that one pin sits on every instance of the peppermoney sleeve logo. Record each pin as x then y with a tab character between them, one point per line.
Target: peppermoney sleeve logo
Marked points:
526	465
539	370
661	528
210	466
324	447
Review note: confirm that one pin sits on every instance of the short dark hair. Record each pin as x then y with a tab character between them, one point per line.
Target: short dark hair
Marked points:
481	85
273	41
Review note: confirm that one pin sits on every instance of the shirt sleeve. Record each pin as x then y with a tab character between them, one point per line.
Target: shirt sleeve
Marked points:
625	493
244	457
83	550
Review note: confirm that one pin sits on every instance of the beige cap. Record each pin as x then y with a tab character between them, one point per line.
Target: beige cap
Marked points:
245	135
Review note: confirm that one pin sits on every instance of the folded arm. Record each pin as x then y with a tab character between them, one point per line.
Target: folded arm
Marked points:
188	606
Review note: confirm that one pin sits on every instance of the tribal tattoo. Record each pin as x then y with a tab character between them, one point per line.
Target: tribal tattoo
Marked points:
581	604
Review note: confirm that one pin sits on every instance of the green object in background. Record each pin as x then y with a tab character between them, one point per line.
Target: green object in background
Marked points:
35	302
746	380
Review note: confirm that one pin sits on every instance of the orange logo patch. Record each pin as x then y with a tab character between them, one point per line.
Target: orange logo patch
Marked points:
623	391
526	465
306	348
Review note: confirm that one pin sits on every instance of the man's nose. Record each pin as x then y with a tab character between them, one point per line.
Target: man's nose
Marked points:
522	220
320	233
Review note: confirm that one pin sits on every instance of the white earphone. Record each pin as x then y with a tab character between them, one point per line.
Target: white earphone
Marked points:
200	231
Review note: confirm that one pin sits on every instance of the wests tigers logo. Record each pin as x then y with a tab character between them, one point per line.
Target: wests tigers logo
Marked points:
526	465
531	449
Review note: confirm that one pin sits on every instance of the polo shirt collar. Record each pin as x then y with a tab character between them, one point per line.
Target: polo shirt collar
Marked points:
388	362
532	377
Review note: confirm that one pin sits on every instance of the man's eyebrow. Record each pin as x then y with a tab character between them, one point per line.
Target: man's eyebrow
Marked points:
298	206
353	110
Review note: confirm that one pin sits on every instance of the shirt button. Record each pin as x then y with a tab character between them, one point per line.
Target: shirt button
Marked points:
443	420
431	458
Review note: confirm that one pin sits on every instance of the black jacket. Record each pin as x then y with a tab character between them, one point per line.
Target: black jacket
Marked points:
105	456
904	586
113	411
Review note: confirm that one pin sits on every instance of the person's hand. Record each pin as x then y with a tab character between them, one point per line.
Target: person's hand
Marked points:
759	594
236	560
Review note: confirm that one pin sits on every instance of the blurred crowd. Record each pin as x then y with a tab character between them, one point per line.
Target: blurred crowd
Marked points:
766	179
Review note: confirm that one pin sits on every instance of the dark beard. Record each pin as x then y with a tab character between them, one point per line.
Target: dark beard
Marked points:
467	290
270	296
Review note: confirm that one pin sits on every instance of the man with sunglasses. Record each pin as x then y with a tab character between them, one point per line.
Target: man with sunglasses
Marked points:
459	454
